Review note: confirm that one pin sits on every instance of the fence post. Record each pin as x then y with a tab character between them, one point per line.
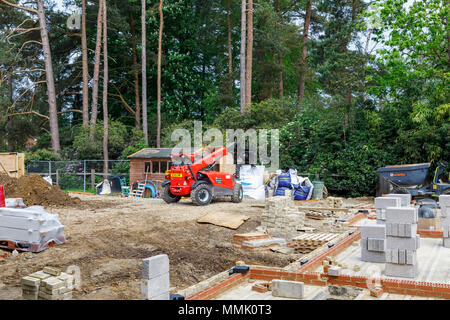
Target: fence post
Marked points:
84	177
50	169
93	179
57	177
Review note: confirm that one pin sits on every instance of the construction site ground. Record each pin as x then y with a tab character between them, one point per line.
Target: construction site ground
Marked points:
108	236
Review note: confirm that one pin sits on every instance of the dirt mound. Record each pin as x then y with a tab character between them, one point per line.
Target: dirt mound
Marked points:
34	190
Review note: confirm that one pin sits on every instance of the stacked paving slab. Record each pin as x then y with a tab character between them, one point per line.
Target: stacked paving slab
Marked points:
373	243
381	203
402	242
280	215
47	284
444	202
405	199
155	283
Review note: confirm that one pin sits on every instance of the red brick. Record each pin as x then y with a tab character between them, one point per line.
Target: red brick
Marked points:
260	288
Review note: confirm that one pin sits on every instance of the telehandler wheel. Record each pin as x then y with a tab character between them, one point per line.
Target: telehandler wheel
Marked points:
167	196
238	193
202	195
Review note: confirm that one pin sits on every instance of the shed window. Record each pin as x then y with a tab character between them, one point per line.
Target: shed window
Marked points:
147	167
163	166
155	167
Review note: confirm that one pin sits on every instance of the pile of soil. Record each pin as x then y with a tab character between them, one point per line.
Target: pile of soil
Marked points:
34	190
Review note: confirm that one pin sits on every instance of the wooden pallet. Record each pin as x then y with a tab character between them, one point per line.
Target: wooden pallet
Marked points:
308	242
139	192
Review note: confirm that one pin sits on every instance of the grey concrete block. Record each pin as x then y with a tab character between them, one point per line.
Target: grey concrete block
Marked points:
155	287
334	271
444	200
373	231
412	243
405	230
401	256
401	270
376	244
381	221
155	266
373	256
405	199
446	242
364	243
288	289
385	202
402	215
411	257
381	214
446	232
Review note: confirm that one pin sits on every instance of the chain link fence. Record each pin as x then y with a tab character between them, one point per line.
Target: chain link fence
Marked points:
80	175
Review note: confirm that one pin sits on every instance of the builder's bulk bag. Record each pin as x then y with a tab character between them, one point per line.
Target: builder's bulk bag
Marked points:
301	192
280	191
284	180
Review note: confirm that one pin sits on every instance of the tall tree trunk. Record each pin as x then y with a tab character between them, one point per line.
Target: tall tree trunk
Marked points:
137	115
242	56
230	54
280	76
144	72
52	110
248	75
280	59
105	92
161	26
84	58
303	67
10	119
98	44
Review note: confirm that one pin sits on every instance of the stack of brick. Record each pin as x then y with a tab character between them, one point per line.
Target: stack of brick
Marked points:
402	242
333	202
340	226
48	284
155	283
444	202
373	243
281	216
381	203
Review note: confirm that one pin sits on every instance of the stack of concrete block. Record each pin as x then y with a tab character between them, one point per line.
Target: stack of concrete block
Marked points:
405	199
155	283
31	227
381	203
47	284
281	216
373	243
402	242
444	202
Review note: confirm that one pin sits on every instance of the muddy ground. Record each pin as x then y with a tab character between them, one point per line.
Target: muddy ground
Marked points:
108	236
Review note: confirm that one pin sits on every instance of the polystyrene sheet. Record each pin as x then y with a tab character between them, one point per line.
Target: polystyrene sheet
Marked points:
32	228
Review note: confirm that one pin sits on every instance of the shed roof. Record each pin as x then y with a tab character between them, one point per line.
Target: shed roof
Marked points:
149	153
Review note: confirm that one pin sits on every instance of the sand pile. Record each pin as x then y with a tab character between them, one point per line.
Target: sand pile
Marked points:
34	190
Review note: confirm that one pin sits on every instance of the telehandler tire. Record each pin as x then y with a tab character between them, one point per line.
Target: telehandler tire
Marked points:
202	195
238	193
167	196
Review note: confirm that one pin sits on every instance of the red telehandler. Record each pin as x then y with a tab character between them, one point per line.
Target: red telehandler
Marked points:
193	175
